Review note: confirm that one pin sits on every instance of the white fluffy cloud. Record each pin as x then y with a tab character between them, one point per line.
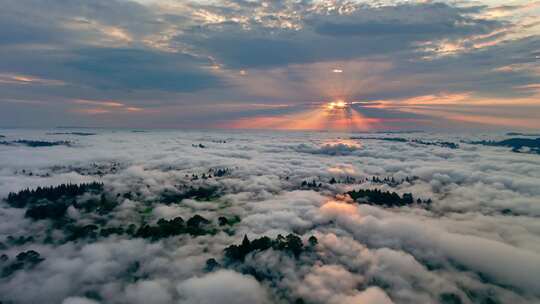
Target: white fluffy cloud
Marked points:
79	300
222	286
150	292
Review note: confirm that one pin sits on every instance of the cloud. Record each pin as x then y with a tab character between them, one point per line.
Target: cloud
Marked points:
23	79
371	295
468	251
78	300
141	69
419	21
338	148
74	21
162	57
475	242
329	36
223	285
329	284
148	292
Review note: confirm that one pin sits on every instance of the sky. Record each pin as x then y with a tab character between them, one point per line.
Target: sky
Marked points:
293	65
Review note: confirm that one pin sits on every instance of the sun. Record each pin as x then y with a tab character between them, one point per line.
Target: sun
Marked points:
336	105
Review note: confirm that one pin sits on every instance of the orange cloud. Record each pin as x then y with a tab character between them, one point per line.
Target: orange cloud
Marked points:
336	208
103	103
465	107
93	111
498	121
104	107
530	87
465	98
514	117
7	78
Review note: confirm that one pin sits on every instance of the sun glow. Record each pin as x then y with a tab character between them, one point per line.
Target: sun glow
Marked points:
339	116
339	104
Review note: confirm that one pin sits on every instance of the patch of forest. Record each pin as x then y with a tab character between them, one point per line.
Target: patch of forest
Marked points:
36	143
72	133
386	198
517	144
444	144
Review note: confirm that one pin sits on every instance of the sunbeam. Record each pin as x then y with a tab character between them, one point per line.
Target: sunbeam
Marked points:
337	116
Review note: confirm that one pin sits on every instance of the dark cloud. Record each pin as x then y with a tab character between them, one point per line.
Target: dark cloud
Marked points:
72	22
138	69
238	49
323	37
421	30
68	33
419	21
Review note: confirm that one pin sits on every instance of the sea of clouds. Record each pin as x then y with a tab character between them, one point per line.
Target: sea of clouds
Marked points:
479	241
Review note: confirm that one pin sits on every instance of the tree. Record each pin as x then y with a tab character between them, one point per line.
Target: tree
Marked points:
294	244
196	221
223	221
211	265
26	259
47	211
386	199
313	241
63	192
245	242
